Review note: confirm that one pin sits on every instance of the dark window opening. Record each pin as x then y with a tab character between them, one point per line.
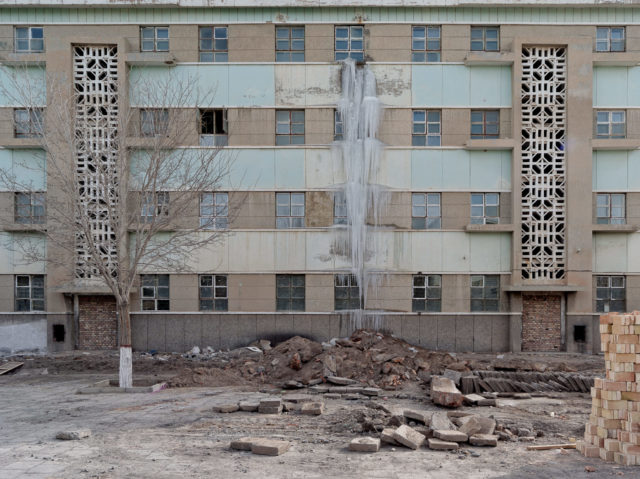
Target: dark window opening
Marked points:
580	334
58	333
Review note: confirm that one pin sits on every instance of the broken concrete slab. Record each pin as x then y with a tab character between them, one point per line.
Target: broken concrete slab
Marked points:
319	389
364	444
450	435
248	406
455	376
242	444
340	381
489	440
73	435
478	425
445	393
371	391
423	417
312	408
386	436
298	398
269	447
333	396
440	445
270	402
473	399
440	421
522	396
270	409
408	437
226	408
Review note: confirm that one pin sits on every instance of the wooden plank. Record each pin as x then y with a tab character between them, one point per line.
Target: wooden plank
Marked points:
10	366
552	446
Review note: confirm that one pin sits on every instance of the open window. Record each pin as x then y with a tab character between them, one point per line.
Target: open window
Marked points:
214	127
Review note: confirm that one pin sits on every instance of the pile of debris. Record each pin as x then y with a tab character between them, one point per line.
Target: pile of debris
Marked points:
275	405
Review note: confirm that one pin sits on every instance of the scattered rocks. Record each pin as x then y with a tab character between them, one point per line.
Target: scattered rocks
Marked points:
269	447
445	393
490	440
365	444
73	435
408	437
450	436
440	445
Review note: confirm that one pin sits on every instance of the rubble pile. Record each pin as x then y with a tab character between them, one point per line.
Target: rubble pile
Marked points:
613	431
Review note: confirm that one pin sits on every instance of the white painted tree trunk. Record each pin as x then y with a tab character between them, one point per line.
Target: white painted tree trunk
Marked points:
126	367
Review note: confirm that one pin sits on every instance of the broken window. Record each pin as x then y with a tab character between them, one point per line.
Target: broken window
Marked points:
27	123
610	294
154	206
29	292
346	292
427	293
290	292
214	127
339	208
214	292
154	292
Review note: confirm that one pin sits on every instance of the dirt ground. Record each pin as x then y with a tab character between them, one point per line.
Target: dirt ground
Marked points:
175	433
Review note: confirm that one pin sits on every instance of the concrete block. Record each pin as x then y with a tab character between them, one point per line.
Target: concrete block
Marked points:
408	437
269	447
440	421
73	435
270	409
451	436
489	440
478	425
249	406
364	444
419	416
473	399
226	408
313	408
371	391
242	444
445	393
270	402
341	381
386	436
440	445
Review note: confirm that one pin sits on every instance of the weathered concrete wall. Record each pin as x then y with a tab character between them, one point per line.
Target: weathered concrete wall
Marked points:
23	333
180	332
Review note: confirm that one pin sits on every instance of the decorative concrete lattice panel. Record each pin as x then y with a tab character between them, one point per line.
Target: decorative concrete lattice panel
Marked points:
95	78
544	114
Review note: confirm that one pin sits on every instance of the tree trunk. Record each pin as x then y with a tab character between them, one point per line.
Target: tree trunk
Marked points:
126	360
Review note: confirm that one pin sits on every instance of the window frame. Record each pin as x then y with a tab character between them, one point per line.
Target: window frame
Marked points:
425	137
291	138
34	303
431	221
482	295
153	284
349	52
156	38
218	55
340	207
37	201
290	51
609	41
429	55
429	296
285	282
603	304
485	219
484	39
219	297
214	139
610	218
159	208
485	124
350	286
154	122
29	38
338	126
31	127
610	124
218	219
290	221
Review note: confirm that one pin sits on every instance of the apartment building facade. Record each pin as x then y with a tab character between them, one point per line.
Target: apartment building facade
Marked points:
510	161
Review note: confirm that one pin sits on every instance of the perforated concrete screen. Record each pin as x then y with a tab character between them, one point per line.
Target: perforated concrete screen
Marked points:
95	77
543	96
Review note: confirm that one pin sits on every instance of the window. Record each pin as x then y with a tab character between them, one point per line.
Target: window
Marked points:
214	128
289	210
338	126
154	292
485	39
425	44
425	211
485	292
154	206
214	44
611	124
610	294
290	292
427	293
29	39
154	39
610	209
290	127
27	123
339	208
29	295
426	128
349	43
485	208
213	292
154	122
485	124
346	292
289	44
610	39
29	208
214	211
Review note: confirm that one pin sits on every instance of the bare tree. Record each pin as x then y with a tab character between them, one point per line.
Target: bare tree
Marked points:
123	191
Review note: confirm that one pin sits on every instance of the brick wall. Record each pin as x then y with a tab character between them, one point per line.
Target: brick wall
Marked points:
97	322
541	322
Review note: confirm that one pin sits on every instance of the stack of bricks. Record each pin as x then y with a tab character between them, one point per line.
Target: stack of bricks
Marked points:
613	431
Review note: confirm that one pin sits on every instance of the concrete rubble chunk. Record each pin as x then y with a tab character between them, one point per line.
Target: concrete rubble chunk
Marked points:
371	391
386	436
318	389
226	408
522	396
445	393
270	402
408	437
333	396
419	416
440	445
249	406
473	399
450	436
73	435
269	447
478	425
364	444
299	398
242	444
455	376
340	381
440	421
489	440
270	409
312	408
